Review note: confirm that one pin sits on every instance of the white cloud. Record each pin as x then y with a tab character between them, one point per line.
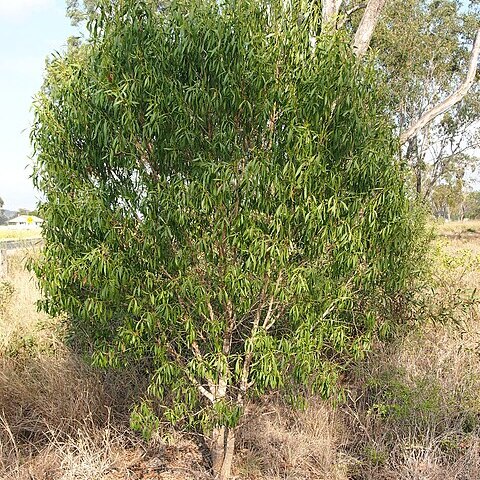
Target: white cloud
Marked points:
10	9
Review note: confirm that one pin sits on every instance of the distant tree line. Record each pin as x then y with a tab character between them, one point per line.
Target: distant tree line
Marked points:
455	204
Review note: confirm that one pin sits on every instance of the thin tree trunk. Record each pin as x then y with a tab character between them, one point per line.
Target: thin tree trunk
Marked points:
418	175
229	450
451	99
223	438
369	21
413	160
217	449
330	9
221	449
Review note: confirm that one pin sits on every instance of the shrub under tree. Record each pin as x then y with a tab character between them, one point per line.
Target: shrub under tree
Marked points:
223	204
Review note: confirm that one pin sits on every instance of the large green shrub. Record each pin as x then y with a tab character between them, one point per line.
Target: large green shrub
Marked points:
222	203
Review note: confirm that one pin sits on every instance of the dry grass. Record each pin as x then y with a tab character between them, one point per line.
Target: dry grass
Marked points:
416	401
413	408
9	233
466	228
277	442
20	320
47	394
417	406
89	454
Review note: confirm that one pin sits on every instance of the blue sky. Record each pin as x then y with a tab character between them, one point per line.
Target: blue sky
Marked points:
29	31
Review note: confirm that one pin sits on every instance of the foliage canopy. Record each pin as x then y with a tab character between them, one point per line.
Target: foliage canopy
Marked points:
222	201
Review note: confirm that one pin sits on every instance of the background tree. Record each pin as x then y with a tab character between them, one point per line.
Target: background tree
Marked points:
26	211
448	198
424	49
80	11
223	205
3	218
472	205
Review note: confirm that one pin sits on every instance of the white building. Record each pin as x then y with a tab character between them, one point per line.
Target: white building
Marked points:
25	222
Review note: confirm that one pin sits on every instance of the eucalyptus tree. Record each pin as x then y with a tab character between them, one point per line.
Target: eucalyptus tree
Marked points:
364	16
448	199
402	18
424	48
222	205
80	10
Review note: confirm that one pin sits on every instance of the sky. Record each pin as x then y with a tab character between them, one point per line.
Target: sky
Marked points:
30	30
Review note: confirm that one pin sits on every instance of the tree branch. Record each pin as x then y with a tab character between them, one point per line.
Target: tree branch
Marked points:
349	13
189	375
451	99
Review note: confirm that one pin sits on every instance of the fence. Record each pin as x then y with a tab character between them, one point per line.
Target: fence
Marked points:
8	247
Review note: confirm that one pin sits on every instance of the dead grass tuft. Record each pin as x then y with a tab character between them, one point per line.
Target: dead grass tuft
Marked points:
278	442
89	454
415	406
43	392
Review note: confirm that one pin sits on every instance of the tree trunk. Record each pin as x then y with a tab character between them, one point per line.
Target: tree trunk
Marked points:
418	175
369	21
221	449
330	9
416	164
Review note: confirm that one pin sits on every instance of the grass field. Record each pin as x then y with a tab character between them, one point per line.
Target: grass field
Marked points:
9	233
412	408
464	228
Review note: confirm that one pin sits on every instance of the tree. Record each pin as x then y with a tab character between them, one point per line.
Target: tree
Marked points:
423	49
472	205
451	100
332	13
448	199
81	10
3	218
26	211
223	205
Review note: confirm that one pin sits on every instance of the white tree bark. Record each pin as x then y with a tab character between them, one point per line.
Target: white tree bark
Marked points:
330	9
369	21
451	100
222	448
